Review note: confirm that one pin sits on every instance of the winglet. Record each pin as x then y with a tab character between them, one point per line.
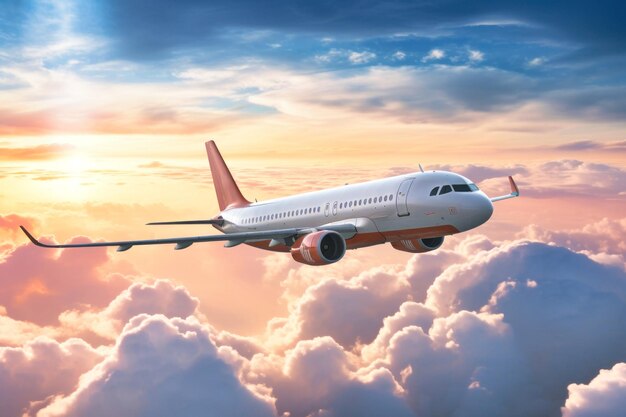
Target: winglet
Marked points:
31	237
514	192
514	189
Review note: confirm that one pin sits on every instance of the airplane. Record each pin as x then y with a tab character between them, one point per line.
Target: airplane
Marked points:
413	212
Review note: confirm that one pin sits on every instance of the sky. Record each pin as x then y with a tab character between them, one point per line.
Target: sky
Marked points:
104	110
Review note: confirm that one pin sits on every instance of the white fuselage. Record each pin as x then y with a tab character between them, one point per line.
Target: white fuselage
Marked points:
384	210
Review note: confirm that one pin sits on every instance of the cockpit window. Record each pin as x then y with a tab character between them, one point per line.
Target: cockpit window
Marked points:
445	189
434	191
473	187
461	188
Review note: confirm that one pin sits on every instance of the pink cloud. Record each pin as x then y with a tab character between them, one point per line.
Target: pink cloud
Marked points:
176	365
37	285
504	328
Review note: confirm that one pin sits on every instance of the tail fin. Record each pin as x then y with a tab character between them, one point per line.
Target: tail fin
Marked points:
228	194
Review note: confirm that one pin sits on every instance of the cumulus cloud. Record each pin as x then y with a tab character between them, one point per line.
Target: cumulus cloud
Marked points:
31	375
478	328
604	236
177	367
351	311
316	378
161	297
604	396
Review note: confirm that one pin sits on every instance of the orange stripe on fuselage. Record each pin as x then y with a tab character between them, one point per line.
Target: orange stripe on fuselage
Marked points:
361	240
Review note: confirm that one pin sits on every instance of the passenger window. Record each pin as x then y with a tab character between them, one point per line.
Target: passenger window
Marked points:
390	197
434	191
385	198
370	201
445	189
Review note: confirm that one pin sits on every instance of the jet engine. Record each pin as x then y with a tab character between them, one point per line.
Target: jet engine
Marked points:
319	248
418	245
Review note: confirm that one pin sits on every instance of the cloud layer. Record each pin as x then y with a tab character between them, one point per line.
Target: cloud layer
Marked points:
516	328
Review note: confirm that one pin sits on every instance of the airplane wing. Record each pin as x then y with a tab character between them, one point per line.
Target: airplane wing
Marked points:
277	236
514	192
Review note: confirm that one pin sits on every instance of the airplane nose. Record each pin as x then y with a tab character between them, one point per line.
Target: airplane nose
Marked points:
485	208
479	210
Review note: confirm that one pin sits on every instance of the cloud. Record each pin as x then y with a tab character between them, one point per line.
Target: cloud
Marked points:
37	284
434	54
161	297
349	311
479	173
10	224
604	236
408	94
590	103
361	57
584	145
604	396
31	375
193	23
176	364
476	56
315	379
35	153
477	328
399	55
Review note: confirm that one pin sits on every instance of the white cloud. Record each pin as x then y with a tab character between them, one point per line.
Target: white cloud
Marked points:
361	57
434	54
604	396
476	56
399	55
537	61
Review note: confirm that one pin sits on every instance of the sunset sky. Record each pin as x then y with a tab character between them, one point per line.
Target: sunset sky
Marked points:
104	110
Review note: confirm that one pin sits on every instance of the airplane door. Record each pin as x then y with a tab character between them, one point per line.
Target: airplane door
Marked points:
401	197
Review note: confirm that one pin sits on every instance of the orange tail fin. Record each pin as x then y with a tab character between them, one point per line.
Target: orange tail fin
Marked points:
228	194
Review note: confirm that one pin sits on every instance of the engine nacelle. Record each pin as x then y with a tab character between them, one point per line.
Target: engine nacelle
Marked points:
418	245
319	248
